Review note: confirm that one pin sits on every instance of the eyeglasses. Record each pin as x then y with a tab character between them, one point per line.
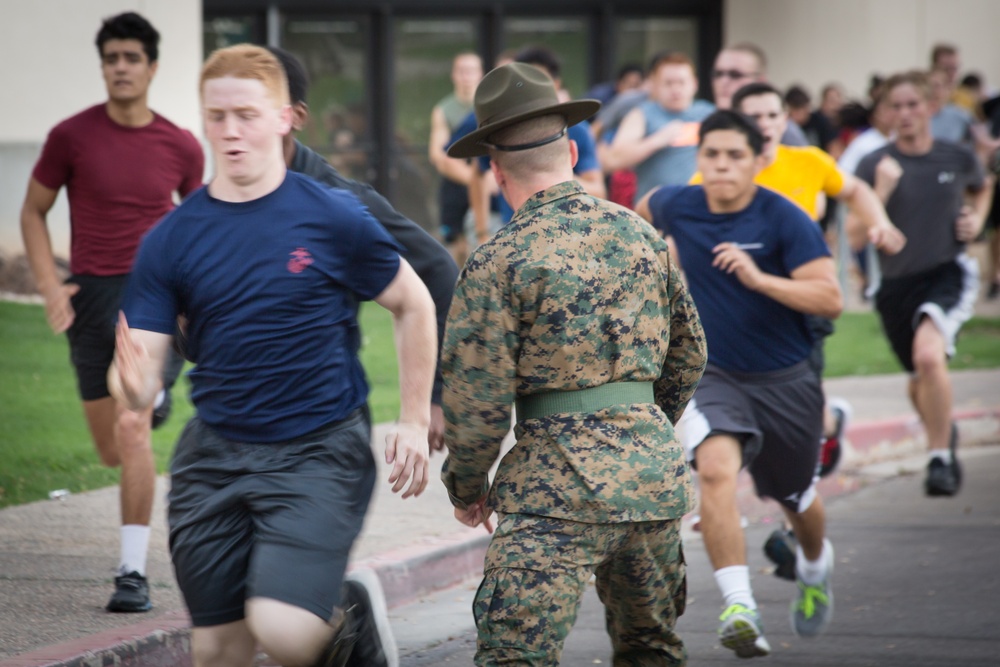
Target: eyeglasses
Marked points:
732	74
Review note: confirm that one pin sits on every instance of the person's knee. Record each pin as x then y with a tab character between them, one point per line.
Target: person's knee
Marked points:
928	356
132	430
223	646
718	460
291	635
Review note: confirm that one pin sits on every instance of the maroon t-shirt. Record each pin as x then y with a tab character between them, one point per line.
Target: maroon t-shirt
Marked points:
120	181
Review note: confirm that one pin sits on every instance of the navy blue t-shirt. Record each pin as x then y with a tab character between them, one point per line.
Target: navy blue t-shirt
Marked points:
269	288
745	331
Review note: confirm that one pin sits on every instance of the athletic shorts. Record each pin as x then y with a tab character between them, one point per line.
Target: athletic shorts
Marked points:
92	334
777	417
274	520
453	199
946	294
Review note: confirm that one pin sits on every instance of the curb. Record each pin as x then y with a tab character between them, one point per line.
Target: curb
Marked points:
438	563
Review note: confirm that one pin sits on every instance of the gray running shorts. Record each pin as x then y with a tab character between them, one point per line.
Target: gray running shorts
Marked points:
273	520
778	418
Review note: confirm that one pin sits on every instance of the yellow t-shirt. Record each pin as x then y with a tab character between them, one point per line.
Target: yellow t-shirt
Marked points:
800	173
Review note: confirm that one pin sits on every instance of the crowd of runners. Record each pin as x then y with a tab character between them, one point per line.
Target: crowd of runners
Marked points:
641	283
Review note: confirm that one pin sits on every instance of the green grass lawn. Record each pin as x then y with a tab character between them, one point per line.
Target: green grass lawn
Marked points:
45	445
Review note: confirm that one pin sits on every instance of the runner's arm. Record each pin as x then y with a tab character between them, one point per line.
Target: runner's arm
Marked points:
38	247
134	377
413	320
812	288
869	211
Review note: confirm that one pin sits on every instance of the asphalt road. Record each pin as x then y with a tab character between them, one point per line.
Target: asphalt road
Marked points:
917	584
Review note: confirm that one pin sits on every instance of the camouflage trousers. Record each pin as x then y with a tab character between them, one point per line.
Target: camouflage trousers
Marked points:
538	567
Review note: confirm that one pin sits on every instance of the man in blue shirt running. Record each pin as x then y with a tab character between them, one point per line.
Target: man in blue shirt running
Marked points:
756	265
271	478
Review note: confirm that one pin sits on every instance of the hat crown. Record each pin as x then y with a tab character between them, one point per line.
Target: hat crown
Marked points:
513	90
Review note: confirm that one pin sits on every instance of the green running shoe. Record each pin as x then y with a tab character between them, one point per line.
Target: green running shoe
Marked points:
743	632
812	611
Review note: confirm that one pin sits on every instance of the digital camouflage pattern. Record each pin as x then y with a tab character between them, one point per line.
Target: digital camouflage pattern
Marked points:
537	569
574	292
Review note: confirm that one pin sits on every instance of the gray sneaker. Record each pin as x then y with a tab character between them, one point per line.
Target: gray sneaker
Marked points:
743	632
812	611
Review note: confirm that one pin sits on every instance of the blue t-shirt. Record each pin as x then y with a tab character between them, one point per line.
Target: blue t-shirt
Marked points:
745	331
269	288
586	160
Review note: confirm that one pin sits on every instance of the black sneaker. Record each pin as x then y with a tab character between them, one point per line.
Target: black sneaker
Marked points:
780	549
131	594
162	411
944	479
365	610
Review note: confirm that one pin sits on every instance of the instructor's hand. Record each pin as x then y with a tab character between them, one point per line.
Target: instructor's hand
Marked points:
406	450
476	514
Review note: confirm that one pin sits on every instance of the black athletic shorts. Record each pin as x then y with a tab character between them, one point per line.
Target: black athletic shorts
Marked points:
453	199
946	294
92	334
273	520
778	418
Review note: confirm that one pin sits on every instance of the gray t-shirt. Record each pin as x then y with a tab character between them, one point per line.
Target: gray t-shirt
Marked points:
926	203
952	123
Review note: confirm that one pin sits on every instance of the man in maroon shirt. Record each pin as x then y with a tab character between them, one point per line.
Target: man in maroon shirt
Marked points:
121	164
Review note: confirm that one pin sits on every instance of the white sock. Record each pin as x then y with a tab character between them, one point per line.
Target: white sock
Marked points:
944	455
813	572
135	544
734	582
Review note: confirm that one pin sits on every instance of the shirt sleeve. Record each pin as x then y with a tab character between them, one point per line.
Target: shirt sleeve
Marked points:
977	176
150	299
194	166
866	168
659	206
833	178
479	363
586	149
801	239
55	165
375	257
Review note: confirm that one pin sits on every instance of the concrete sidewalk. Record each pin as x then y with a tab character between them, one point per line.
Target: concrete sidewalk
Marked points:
57	557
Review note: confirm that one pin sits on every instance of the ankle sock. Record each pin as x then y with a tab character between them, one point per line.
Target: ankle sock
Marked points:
814	572
734	583
943	455
135	544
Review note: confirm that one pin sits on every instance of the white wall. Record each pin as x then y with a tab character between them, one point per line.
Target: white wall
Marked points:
50	70
813	42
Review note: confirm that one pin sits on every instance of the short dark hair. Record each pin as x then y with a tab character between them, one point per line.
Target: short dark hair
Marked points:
726	119
130	25
796	97
540	56
295	72
971	80
942	49
628	68
753	90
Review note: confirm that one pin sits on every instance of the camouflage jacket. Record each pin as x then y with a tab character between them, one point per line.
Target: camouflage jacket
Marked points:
574	292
